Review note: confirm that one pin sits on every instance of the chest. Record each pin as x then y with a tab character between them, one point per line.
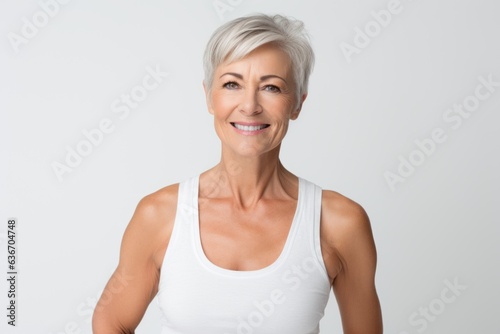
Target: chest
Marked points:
250	240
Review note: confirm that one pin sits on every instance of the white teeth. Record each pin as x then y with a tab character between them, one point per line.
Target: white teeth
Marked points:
249	127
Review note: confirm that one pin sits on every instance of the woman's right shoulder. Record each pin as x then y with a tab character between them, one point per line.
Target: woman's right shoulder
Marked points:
150	228
160	202
156	211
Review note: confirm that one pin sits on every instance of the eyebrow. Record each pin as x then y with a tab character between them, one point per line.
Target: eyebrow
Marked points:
262	78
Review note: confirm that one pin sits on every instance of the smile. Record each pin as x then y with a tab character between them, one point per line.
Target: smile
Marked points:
249	128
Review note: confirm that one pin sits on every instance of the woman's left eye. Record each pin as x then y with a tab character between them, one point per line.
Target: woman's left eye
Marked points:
272	88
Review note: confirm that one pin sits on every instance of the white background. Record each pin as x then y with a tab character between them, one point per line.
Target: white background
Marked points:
363	112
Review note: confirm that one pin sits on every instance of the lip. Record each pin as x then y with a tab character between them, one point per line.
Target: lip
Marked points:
249	132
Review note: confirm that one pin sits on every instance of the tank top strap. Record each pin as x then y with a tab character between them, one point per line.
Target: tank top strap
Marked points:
186	212
309	242
187	206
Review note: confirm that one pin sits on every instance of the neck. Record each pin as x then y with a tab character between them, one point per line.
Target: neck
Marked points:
246	180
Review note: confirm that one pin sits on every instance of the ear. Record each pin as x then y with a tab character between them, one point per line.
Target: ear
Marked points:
207	98
295	113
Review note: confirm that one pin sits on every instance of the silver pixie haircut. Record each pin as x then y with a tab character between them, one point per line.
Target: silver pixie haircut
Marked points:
237	38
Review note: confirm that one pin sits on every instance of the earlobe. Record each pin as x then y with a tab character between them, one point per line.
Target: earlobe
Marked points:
295	114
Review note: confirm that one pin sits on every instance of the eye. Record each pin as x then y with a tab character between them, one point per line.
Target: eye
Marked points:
231	85
272	88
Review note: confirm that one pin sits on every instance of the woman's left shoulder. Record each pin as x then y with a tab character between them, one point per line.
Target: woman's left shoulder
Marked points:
342	216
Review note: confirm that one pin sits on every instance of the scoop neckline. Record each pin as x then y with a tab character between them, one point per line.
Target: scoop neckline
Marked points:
244	273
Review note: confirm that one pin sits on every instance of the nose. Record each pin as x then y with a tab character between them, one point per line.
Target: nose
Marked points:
250	104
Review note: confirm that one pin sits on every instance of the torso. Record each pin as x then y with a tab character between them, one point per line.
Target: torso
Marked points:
221	272
238	240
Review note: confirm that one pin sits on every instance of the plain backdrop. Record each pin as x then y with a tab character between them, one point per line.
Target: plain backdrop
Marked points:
383	87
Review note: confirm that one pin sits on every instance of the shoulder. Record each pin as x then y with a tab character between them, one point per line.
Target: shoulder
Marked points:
151	225
157	203
153	210
342	212
345	226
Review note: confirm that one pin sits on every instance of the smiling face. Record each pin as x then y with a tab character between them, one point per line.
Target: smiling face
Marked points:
252	101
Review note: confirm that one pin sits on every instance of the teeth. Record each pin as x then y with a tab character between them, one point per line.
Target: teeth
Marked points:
249	127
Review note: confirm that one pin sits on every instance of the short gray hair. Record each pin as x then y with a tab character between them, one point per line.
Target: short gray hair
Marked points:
237	38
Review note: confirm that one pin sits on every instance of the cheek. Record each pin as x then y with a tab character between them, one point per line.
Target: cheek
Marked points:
221	105
282	109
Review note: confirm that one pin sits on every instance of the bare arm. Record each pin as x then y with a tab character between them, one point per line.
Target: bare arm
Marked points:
348	237
134	283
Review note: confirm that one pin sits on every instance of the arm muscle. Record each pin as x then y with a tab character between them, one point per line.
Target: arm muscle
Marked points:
134	283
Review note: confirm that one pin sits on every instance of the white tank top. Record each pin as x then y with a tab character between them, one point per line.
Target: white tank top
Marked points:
288	296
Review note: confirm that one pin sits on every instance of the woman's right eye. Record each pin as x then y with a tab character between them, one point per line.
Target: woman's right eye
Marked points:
231	85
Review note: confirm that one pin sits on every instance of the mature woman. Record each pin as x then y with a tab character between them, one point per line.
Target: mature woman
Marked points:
247	246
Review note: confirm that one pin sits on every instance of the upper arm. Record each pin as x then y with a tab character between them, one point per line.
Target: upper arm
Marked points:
349	236
134	283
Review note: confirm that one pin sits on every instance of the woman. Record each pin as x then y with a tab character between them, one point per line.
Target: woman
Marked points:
247	246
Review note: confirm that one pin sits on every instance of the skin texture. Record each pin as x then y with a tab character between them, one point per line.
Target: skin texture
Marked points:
246	206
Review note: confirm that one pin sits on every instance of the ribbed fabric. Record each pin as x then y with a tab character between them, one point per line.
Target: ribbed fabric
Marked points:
289	296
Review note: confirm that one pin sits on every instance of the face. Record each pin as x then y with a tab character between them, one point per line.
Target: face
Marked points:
253	100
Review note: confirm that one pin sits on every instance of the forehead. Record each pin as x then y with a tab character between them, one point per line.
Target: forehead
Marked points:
264	60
